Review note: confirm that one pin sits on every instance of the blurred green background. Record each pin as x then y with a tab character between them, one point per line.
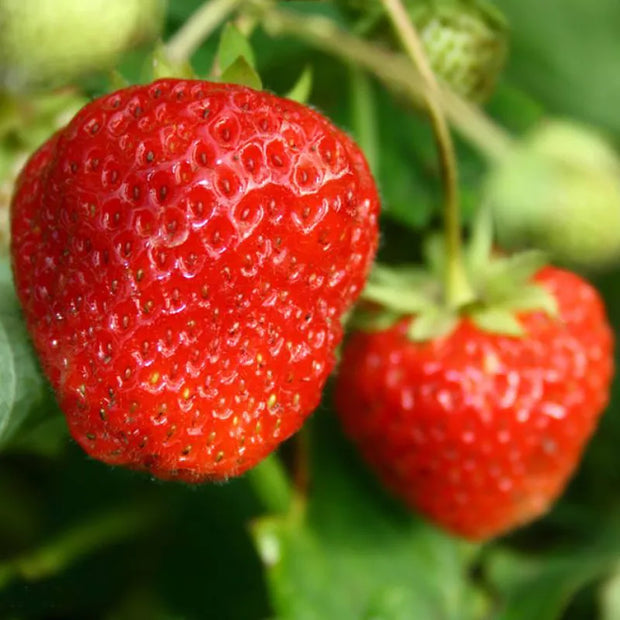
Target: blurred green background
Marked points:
81	540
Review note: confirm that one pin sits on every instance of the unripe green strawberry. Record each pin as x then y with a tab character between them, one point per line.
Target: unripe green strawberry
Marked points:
466	40
466	43
559	190
45	43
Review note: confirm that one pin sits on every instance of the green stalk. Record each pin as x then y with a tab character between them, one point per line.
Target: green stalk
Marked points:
457	288
272	485
197	28
69	547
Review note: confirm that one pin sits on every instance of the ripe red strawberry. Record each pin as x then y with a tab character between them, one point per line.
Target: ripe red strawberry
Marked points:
183	252
481	431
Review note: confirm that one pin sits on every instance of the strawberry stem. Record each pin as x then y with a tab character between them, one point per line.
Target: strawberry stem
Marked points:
492	140
457	288
197	28
272	485
85	538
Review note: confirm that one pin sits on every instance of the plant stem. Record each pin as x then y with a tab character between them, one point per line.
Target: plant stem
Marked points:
197	28
68	547
457	288
391	68
271	484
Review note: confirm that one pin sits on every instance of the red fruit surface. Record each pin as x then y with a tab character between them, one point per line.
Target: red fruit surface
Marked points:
183	252
481	432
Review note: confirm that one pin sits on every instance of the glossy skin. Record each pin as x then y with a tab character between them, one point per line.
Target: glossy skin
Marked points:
183	253
480	432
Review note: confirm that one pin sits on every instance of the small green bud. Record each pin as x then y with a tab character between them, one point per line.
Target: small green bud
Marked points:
559	191
45	43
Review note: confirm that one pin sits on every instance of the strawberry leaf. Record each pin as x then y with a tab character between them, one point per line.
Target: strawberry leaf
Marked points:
539	588
362	555
22	387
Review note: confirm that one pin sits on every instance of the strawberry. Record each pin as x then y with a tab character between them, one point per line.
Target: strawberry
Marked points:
183	252
480	431
557	189
466	42
45	44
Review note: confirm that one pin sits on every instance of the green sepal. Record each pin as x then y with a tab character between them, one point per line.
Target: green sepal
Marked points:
401	300
497	321
162	67
508	272
367	320
116	80
434	250
241	72
529	298
433	323
480	246
503	288
402	290
233	45
302	88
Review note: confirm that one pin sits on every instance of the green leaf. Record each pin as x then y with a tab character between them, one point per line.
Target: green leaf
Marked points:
303	86
234	45
498	321
240	72
355	553
540	587
610	598
560	42
22	386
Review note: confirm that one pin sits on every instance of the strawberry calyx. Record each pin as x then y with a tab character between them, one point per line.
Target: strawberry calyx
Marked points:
235	63
502	288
